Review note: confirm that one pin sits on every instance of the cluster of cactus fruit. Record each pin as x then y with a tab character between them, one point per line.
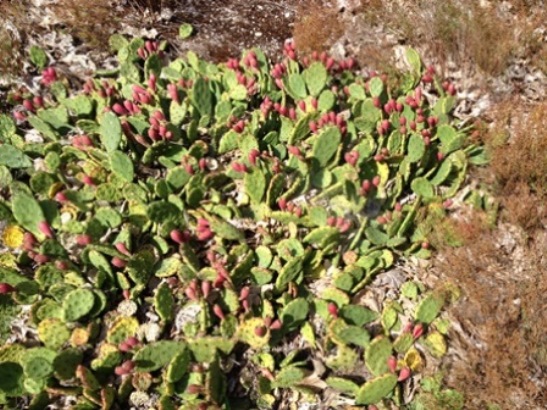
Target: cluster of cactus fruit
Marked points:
186	224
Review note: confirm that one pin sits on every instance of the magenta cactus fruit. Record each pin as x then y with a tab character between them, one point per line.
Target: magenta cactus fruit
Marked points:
120	246
392	363
6	288
83	240
418	331
217	310
332	309
260	331
61	197
87	180
118	262
177	236
404	374
45	228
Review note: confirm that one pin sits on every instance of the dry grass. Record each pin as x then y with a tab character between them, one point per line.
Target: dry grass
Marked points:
503	339
461	30
316	27
11	47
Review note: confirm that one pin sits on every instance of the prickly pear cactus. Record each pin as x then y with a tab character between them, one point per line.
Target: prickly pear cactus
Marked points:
195	233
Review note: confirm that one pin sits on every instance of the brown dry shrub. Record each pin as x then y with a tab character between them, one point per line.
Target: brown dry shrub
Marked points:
91	25
501	347
316	26
458	29
11	46
523	158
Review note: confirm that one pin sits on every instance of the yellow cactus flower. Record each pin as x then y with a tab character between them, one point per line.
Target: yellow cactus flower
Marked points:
12	236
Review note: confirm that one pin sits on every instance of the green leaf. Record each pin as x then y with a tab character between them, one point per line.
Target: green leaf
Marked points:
202	97
416	148
13	157
111	131
422	187
414	61
326	145
185	30
122	165
376	86
450	139
38	56
316	78
255	184
28	213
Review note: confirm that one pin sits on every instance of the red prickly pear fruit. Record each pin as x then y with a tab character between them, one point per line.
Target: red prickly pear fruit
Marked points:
408	327
244	293
217	310
83	240
413	125
382	220
451	89
403	374
267	321
202	164
399	107
190	293
193	389
294	151
206	288
372	407
118	262
425	245
392	363
45	228
260	331
61	265
253	155
38	101
132	341
418	331
141	53
379	158
126	294
276	325
366	185
333	309
292	113
40	258
302	105
282	203
29	106
448	203
398	207
119	109
124	347
87	180
403	130
61	197
29	241
430	69
376	181
120	246
376	101
331	221
402	121
128	365
440	156
279	83
314	103
120	371
427	78
6	288
177	236
19	116
313	126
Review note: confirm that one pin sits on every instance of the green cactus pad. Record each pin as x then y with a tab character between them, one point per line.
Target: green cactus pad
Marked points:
377	353
53	333
164	302
246	333
122	328
156	355
373	391
429	307
342	385
77	304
